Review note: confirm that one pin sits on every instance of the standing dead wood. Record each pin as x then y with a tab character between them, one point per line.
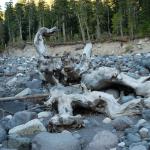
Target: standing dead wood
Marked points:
39	41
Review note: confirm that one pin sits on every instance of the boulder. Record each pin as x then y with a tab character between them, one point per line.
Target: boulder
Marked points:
1	70
11	82
147	102
103	140
22	117
32	127
3	134
34	84
146	114
5	123
140	123
121	144
143	143
144	132
121	123
55	141
25	92
133	138
138	147
19	143
21	68
107	120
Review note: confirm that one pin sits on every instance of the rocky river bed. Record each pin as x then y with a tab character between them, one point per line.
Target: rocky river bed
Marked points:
24	125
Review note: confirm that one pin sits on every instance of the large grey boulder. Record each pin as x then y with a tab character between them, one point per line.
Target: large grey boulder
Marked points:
22	117
121	123
104	140
18	142
55	141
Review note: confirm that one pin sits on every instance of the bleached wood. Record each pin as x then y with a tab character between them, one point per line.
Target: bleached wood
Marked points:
39	41
93	100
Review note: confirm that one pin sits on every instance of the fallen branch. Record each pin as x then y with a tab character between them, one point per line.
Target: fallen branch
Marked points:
35	97
7	74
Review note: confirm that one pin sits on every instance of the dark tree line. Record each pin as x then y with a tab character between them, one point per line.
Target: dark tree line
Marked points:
77	19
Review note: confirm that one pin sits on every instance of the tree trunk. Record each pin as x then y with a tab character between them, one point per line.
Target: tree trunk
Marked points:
97	28
9	32
20	29
121	28
63	27
108	21
97	21
130	23
81	28
29	28
87	31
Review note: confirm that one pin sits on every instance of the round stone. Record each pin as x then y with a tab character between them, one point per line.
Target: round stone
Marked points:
122	144
144	132
107	120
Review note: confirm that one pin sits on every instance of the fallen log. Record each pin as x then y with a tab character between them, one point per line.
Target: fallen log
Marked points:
29	97
7	74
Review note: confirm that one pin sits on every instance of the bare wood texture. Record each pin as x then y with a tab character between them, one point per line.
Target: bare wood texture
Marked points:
35	97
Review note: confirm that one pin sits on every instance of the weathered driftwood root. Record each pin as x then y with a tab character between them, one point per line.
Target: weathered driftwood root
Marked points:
67	70
56	70
104	77
99	78
39	41
141	86
97	101
47	65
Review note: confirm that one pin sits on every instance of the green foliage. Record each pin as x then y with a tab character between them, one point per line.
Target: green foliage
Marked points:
116	22
77	19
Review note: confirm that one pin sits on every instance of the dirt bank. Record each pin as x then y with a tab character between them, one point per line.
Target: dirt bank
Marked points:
107	48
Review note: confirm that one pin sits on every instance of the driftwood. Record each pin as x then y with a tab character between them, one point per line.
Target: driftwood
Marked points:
67	70
104	77
7	74
29	97
39	41
97	101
